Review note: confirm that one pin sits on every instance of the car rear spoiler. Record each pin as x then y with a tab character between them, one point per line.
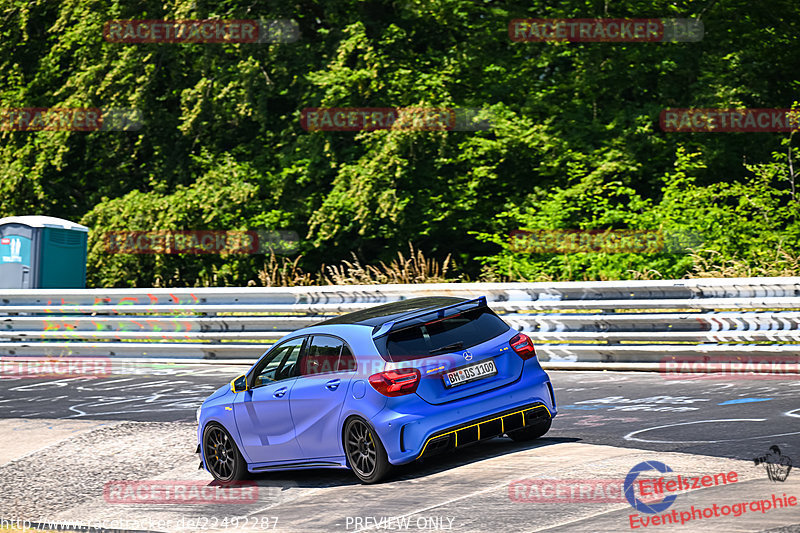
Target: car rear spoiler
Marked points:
424	316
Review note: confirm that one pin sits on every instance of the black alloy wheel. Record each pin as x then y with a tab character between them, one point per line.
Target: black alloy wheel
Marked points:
221	455
365	452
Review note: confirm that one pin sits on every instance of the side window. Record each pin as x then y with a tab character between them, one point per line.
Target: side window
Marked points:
322	356
347	361
279	363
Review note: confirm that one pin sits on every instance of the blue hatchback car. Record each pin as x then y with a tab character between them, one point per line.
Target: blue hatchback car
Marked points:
375	388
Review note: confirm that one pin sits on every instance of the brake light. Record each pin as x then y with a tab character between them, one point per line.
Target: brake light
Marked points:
523	345
395	382
443	318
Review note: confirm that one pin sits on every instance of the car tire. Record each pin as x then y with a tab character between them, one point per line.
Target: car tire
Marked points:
531	432
221	455
364	451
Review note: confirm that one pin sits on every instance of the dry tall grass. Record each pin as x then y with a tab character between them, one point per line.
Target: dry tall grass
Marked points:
284	273
708	264
416	268
649	274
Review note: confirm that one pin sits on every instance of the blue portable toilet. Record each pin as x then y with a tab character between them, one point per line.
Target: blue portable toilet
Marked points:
40	252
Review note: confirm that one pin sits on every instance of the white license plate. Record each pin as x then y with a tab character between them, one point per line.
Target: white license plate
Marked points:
465	374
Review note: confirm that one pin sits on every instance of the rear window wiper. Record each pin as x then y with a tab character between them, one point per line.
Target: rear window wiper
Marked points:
448	348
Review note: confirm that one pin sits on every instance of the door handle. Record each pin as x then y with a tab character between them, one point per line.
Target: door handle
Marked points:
280	392
332	384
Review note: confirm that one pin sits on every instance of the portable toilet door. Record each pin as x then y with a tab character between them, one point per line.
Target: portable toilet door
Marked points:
15	255
41	252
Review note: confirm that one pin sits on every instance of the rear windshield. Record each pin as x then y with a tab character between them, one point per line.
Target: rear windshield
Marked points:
469	328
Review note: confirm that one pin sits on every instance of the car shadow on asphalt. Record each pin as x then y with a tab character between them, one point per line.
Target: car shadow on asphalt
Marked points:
473	453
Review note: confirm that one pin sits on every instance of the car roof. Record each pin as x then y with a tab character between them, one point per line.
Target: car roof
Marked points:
380	314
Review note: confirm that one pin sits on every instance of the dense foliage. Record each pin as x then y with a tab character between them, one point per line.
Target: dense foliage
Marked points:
575	143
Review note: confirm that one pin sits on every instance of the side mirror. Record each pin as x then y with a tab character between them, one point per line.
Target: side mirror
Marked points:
239	384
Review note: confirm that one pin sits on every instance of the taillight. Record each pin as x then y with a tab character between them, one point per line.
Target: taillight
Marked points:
523	345
395	382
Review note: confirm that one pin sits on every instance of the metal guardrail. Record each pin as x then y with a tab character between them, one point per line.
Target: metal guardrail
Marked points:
625	321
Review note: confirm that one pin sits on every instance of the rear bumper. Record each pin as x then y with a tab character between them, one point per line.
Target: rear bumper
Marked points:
410	428
485	428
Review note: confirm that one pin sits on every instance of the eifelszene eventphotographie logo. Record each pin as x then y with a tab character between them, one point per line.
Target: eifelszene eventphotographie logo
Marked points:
630	495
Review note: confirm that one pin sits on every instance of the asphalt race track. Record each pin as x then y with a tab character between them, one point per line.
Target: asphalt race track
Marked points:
64	442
